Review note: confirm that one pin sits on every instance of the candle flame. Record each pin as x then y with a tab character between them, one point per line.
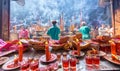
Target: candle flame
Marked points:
93	49
33	62
115	57
77	40
15	56
19	43
111	42
46	43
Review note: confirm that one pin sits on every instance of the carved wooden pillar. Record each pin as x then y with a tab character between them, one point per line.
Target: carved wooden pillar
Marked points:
4	19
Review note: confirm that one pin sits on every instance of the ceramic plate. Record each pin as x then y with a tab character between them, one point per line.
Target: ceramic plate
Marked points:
5	66
3	53
43	58
3	60
109	58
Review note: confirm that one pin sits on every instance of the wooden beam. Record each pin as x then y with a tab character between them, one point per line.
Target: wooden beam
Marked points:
4	19
0	19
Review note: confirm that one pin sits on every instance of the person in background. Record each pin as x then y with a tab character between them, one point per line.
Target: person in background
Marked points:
102	30
54	31
94	31
85	30
14	33
14	29
27	30
23	33
110	30
32	31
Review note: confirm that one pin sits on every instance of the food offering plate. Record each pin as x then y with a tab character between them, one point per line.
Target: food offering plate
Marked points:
100	53
109	58
10	65
74	53
3	60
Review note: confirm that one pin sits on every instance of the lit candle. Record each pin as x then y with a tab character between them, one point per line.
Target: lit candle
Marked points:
78	47
113	49
48	55
15	59
20	51
94	51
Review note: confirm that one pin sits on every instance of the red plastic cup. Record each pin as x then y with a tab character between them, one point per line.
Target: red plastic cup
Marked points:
24	65
88	60
59	57
34	65
96	60
65	63
73	64
42	69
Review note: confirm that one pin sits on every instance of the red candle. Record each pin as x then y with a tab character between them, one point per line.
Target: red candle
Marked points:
113	49
20	51
78	47
47	52
15	60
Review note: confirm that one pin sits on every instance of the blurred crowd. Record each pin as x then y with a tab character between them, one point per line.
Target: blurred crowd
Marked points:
33	30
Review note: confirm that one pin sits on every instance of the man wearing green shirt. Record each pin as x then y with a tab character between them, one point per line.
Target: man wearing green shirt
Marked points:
54	31
85	30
